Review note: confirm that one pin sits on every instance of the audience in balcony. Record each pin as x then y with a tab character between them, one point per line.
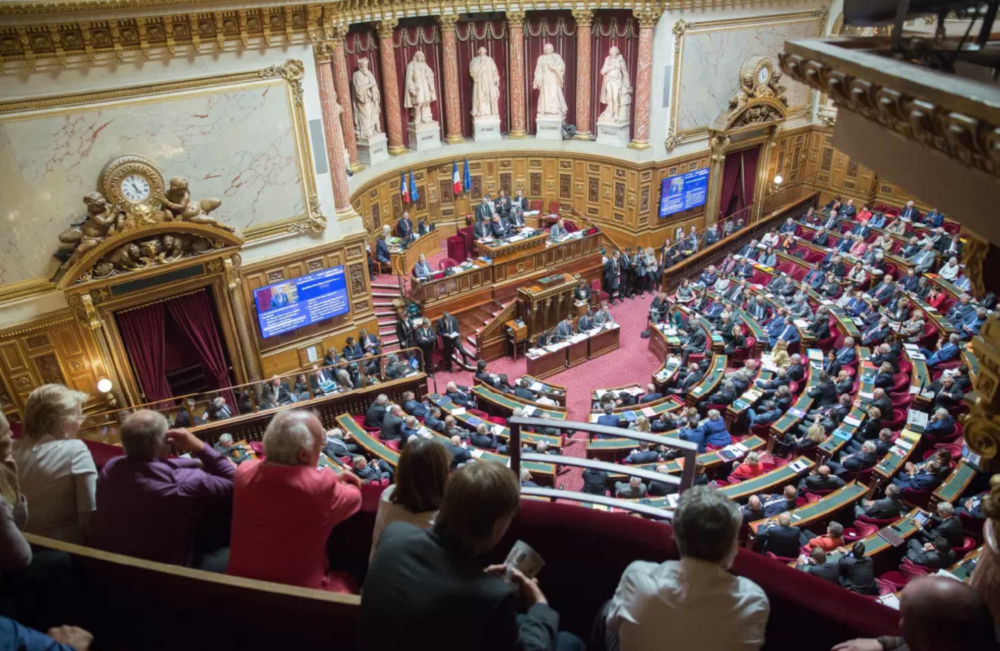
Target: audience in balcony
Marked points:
421	474
57	473
284	509
150	505
15	553
421	583
681	601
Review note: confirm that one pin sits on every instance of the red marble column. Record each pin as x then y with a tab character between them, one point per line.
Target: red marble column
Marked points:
647	18
342	83
452	104
518	102
331	127
583	18
390	87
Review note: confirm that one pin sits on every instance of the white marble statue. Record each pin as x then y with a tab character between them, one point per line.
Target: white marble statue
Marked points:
366	102
420	90
616	91
550	73
485	85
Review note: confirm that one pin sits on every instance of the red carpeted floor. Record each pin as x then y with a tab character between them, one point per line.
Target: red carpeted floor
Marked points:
631	363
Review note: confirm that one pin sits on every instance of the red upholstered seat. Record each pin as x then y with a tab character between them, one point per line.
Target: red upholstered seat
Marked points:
851	535
535	204
696	358
915	497
782	559
929	338
897	420
911	570
553	207
482	415
496	420
793	386
447	263
877	522
392	445
901	400
967	546
456	247
895	579
102	452
864	529
899	382
955	449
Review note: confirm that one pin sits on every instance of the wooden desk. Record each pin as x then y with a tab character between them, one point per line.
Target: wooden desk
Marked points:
576	354
893	461
962	570
708	460
604	342
553	391
503	405
543	304
818	511
403	261
708	384
504	251
775	479
368	442
958	481
547	364
471	422
803	403
665	375
499	280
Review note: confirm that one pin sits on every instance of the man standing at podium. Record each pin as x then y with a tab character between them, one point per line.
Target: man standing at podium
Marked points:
447	327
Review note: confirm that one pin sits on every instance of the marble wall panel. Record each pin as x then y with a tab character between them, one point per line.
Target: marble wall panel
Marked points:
234	143
711	60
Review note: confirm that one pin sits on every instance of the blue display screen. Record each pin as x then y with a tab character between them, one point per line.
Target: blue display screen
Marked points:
683	192
298	302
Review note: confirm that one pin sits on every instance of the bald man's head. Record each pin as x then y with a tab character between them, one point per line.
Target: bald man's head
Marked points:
941	614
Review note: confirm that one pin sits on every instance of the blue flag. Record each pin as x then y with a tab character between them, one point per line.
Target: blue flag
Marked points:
466	179
414	195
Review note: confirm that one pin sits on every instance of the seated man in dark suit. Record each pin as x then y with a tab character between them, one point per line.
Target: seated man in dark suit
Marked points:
404	227
753	510
491	379
522	390
651	394
433	420
940	426
781	538
376	412
644	454
724	396
886	508
776	504
926	479
944	524
595	482
392	424
818	566
857	572
820	479
421	583
608	418
583	291
460	398
825	393
412	406
856	462
935	555
564	330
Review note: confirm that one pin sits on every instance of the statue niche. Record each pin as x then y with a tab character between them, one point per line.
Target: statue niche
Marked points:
143	226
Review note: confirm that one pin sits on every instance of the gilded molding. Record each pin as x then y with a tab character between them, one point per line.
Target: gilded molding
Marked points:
448	22
515	17
36	324
304	254
583	17
385	27
972	141
982	425
647	16
25	289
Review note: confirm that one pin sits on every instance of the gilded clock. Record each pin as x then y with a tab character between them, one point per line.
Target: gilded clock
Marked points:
133	183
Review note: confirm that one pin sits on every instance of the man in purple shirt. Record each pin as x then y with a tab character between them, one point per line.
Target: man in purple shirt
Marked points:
149	505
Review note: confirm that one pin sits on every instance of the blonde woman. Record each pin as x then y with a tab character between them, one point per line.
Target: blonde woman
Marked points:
779	354
640	424
57	474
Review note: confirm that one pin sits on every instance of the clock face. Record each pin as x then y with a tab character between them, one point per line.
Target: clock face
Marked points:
763	75
135	188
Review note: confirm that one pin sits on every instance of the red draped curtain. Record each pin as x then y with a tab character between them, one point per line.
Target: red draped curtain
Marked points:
361	42
472	35
422	36
142	331
196	318
739	180
559	29
612	29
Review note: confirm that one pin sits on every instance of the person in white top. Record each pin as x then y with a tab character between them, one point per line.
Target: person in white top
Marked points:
421	474
57	473
693	603
950	270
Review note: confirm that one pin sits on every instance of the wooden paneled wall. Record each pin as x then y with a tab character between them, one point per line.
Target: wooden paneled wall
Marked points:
53	349
290	351
833	172
788	157
620	197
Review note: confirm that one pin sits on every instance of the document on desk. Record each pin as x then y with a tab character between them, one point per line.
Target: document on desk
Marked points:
537	386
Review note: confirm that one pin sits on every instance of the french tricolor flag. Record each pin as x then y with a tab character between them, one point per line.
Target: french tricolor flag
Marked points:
404	187
456	180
